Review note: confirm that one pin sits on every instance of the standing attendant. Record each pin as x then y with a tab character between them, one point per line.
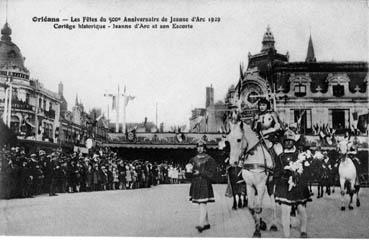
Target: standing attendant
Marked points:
201	190
291	185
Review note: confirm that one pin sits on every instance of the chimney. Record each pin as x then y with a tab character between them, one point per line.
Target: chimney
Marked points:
209	96
60	89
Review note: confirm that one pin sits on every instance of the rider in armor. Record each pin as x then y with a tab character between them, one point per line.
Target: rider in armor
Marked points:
268	125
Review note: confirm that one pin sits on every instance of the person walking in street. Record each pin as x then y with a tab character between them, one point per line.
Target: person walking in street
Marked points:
291	190
201	190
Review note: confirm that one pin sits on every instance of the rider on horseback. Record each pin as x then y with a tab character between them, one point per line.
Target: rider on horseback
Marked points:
266	122
269	127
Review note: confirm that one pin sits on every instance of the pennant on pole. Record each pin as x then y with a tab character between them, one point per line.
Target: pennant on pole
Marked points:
114	103
127	99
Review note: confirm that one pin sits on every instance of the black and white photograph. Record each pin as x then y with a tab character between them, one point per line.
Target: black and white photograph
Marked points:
184	119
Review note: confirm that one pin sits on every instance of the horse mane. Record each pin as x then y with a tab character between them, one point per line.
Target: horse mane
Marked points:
249	134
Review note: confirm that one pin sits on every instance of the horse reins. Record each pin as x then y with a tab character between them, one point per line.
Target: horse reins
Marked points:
246	152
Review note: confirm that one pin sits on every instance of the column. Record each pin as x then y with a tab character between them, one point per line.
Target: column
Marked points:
10	105
5	113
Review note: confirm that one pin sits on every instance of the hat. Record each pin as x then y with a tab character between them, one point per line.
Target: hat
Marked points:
290	135
41	152
33	155
201	143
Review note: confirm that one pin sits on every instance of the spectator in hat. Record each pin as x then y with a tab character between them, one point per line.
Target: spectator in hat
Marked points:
51	170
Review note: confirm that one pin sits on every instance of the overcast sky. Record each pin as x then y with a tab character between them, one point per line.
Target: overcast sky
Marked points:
173	67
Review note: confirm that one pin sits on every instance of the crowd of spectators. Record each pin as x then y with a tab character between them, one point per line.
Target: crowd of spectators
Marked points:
26	175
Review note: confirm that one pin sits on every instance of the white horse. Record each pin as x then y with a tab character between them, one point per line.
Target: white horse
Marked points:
245	147
347	173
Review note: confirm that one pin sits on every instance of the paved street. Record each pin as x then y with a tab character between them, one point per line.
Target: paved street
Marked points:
164	211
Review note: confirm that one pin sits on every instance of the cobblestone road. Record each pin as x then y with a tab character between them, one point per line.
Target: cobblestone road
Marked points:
164	211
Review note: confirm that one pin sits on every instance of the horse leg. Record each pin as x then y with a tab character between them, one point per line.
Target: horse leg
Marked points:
351	192
245	201
328	187
234	207
270	192
239	200
286	213
273	225
342	186
333	183
318	189
252	208
357	188
260	188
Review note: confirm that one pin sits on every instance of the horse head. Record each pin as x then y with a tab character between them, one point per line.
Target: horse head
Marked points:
237	141
344	146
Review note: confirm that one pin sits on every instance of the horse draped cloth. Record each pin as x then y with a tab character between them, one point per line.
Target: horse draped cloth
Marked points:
201	189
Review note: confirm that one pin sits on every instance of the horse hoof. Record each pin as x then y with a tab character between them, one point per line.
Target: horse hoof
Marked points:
273	228
263	225
343	208
234	208
240	205
303	235
257	234
357	203
351	207
245	204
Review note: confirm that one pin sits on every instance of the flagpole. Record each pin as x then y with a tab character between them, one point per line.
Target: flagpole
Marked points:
108	113
124	96
156	119
117	112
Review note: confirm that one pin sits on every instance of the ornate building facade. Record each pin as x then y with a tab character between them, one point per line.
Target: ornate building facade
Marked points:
28	108
314	93
35	113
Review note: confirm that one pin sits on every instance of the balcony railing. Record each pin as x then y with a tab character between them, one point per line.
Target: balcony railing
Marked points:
22	105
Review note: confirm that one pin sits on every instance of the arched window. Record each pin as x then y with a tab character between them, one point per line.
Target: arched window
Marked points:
300	90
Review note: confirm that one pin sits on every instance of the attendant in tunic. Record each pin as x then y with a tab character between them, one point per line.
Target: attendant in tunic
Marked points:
201	190
291	184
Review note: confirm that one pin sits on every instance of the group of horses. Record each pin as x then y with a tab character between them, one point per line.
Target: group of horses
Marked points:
251	166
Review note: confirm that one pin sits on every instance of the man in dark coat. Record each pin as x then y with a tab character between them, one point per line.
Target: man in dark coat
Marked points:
50	174
201	190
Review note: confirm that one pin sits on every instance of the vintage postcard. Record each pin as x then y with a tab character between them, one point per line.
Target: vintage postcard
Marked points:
210	118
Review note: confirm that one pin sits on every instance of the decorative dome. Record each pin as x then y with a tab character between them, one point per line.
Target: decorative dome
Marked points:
268	40
6	32
10	54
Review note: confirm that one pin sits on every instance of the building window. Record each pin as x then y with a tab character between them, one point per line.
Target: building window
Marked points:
300	90
340	120
338	90
304	115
